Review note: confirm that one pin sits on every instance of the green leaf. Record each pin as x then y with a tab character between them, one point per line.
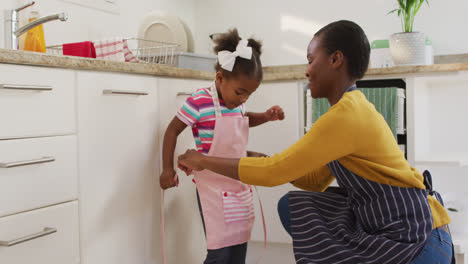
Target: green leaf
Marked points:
407	10
452	209
409	5
415	11
402	4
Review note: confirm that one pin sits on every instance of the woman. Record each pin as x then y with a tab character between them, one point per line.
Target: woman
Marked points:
382	212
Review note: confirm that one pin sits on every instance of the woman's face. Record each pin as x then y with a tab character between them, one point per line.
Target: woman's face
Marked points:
318	69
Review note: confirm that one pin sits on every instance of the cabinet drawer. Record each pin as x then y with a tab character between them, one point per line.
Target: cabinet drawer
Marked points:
44	236
113	85
36	101
37	172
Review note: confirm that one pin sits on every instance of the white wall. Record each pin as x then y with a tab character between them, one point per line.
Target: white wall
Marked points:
86	23
286	27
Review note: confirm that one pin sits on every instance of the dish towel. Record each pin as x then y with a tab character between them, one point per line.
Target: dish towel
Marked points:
80	49
114	50
387	101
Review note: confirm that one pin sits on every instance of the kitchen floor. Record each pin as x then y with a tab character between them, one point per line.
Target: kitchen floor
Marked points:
275	253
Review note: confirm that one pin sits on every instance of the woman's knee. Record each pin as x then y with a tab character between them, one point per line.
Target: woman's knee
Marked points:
283	204
284	214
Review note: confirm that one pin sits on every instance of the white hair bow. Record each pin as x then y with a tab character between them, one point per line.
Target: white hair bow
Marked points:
227	59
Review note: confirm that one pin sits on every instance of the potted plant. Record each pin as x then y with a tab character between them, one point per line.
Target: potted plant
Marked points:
408	47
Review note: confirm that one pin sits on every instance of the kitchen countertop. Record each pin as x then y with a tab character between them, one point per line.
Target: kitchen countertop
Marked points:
297	72
70	62
271	73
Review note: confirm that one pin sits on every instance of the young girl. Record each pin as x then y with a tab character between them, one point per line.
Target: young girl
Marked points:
220	127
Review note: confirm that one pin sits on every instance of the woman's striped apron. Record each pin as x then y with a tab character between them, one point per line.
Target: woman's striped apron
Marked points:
366	222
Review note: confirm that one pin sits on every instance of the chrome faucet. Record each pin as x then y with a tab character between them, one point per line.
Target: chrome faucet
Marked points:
12	32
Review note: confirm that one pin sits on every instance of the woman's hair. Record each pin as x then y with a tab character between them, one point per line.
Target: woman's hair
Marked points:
350	39
251	68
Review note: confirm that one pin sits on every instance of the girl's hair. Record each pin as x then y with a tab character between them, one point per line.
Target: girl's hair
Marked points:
251	68
349	38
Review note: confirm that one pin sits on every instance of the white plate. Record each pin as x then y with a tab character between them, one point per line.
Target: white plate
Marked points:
165	28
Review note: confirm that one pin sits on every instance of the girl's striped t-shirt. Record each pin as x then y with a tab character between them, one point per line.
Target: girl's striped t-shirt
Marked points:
198	112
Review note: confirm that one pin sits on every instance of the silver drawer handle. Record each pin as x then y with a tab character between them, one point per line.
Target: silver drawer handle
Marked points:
45	232
123	92
26	87
26	162
184	94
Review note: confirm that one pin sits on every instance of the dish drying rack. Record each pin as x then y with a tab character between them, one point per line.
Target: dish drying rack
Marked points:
146	51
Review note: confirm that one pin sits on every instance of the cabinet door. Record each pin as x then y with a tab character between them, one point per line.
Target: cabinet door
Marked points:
118	168
437	128
271	138
185	240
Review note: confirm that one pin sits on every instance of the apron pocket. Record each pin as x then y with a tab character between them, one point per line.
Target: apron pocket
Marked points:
392	230
238	206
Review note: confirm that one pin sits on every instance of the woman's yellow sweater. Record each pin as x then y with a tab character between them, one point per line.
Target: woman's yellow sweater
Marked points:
353	133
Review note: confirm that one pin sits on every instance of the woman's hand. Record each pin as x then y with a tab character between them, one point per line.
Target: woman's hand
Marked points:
274	113
190	161
194	160
254	154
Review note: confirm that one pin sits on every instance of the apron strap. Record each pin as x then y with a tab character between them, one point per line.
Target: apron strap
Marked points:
351	88
214	95
264	227
429	187
176	179
162	227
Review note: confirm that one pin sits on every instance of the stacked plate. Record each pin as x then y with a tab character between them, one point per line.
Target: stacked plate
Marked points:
161	27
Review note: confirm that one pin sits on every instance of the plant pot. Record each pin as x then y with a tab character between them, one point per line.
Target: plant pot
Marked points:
408	48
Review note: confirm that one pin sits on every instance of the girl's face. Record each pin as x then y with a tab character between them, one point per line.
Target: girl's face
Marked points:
235	90
319	69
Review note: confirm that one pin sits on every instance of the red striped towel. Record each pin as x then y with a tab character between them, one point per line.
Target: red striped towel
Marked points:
114	50
128	54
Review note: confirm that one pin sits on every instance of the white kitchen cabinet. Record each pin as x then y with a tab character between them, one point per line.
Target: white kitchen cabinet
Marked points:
184	237
438	104
436	129
437	141
118	167
271	138
44	236
37	172
36	101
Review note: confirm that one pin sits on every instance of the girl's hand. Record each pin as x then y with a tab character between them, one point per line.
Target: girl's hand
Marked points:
168	179
190	161
274	113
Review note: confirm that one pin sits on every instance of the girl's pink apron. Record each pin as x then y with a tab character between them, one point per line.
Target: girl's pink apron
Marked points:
227	204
